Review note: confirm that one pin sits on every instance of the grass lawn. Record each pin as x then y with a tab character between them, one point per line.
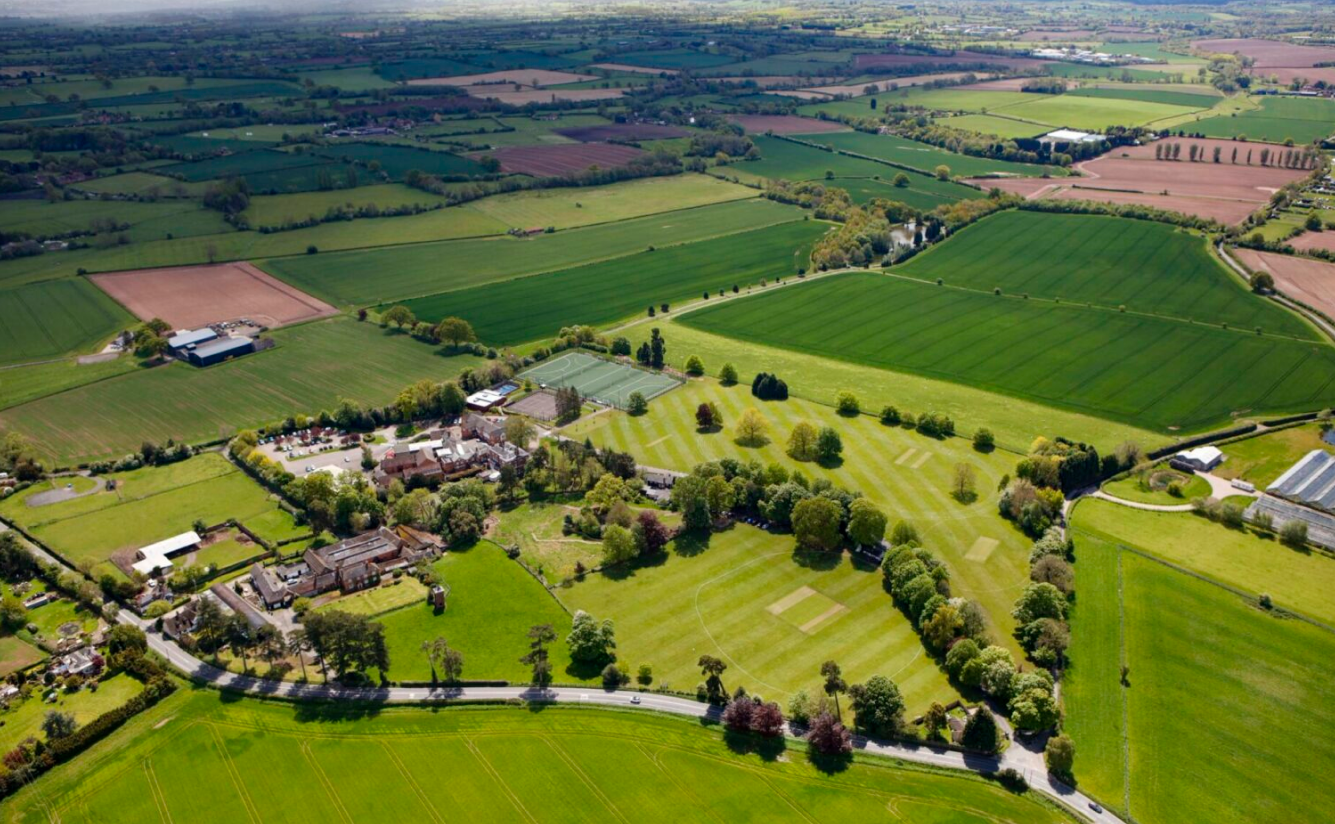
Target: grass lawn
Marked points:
25	719
563	764
154	503
392	594
1150	372
48	320
1110	262
1153	487
1264	458
306	372
1245	559
491	604
907	474
51	617
772	613
1015	422
17	654
1209	674
532	308
567	208
369	277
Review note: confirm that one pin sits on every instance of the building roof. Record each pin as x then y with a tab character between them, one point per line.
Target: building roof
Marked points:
187	337
1073	136
352	551
222	346
485	398
271	590
1310	481
155	556
1202	454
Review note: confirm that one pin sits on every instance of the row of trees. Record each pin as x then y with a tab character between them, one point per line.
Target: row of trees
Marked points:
1306	158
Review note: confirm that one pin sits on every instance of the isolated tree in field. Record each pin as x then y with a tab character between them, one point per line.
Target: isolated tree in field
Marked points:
942	172
829	446
802	442
400	316
866	523
1263	282
58	725
713	668
728	374
455	331
618	545
827	736
833	683
1217	152
980	732
964	484
984	440
444	659
704	417
846	403
1060	755
816	523
590	640
694	366
636	404
1158	151
752	428
539	636
901	181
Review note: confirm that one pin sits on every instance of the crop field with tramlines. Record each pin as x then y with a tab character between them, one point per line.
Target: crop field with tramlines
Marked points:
42	321
1150	371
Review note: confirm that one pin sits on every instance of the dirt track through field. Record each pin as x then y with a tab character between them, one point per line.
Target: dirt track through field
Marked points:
187	297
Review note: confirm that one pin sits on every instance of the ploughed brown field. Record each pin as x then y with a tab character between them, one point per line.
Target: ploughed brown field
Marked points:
626	67
785	124
1303	279
1270	54
1225	191
622	131
1313	240
1286	76
549	161
865	61
192	296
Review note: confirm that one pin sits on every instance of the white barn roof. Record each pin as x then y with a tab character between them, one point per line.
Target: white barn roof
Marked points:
157	556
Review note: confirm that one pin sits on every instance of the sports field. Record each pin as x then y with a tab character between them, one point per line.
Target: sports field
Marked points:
532	308
274	762
774	615
907	474
1110	262
151	504
491	604
1208	674
1278	119
604	381
368	277
1152	372
306	372
42	321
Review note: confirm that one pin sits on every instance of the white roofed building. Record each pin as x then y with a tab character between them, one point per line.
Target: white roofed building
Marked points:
1200	459
158	556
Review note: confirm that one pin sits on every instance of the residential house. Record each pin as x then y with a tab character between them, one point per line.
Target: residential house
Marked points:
272	591
358	562
490	430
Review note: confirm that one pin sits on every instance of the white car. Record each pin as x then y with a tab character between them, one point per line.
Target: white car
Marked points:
635	699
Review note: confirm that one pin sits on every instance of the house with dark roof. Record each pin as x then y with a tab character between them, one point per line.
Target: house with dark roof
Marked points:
358	562
491	430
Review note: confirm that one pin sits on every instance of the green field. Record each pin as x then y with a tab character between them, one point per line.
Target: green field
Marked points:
492	603
1092	113
151	504
673	59
392	594
1150	268
1209	674
1149	94
567	208
531	308
991	124
17	654
1245	559
923	156
906	473
47	320
39	218
306	372
244	164
559	765
274	210
359	278
26	719
1278	119
744	597
1154	491
1014	421
396	161
1264	458
1151	372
